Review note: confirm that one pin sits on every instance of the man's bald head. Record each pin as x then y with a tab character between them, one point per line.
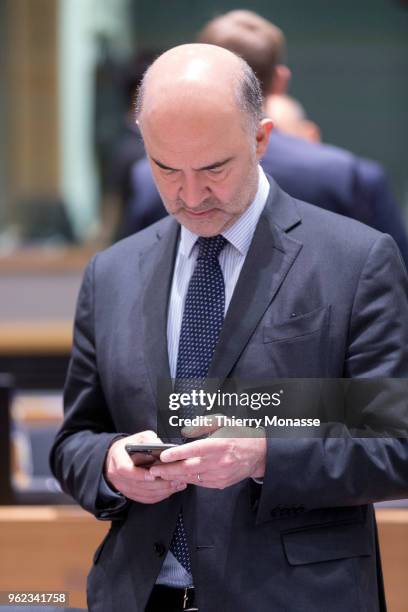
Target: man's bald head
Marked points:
200	114
195	75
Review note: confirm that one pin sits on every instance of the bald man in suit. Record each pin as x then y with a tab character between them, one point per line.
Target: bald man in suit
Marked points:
240	280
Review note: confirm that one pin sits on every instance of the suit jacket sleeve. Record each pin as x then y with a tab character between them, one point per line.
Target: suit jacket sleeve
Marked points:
372	188
78	454
323	472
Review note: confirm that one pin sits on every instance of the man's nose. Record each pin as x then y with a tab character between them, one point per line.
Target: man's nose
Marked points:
193	191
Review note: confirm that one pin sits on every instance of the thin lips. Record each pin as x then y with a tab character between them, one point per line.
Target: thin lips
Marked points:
199	214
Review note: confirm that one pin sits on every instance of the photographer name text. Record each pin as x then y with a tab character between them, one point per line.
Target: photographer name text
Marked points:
222	420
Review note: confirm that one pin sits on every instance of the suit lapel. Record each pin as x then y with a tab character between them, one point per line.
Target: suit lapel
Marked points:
269	259
156	265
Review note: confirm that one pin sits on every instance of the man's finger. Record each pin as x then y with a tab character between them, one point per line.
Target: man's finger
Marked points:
201	430
186	451
134	473
151	498
180	469
143	437
146	489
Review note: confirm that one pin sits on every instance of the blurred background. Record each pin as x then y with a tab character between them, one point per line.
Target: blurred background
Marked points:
65	92
68	74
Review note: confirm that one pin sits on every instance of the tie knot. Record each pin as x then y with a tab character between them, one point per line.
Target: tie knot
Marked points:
210	248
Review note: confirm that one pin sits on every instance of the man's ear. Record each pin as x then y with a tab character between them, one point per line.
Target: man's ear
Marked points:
262	136
280	80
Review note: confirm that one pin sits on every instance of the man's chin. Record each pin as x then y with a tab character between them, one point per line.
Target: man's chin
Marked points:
206	225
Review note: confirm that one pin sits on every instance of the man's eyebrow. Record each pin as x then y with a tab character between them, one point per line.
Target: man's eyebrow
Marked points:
213	166
156	161
217	164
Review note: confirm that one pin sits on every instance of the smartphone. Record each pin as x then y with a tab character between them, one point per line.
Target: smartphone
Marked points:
146	453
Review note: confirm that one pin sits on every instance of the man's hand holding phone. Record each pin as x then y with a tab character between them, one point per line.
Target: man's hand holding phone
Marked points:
130	475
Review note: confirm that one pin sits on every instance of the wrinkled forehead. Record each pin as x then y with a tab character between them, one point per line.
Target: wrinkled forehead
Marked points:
188	108
202	129
188	104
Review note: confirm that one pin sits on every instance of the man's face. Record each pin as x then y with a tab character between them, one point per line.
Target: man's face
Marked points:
204	164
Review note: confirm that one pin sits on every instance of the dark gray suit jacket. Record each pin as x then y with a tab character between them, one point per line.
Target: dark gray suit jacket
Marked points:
305	539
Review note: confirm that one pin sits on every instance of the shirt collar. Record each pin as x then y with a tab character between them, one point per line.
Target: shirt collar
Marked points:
240	234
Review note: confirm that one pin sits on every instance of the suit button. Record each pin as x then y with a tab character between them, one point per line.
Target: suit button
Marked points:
159	549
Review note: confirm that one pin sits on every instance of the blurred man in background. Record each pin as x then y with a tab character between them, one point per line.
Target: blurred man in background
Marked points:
327	176
121	146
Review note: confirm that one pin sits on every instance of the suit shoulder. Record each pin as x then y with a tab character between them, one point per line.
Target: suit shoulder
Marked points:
335	242
134	245
333	228
310	155
318	173
371	172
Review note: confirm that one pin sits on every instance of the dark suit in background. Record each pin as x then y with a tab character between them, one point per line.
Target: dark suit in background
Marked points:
324	175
